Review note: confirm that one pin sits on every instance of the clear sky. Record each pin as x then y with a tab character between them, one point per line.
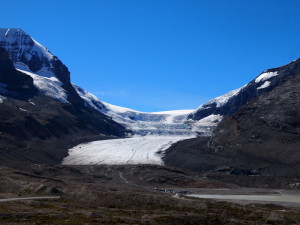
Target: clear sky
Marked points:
154	55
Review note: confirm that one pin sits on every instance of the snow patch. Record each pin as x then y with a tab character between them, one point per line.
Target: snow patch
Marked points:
43	50
90	99
264	85
175	112
135	150
1	98
22	110
205	126
31	102
223	99
50	86
210	120
265	76
119	109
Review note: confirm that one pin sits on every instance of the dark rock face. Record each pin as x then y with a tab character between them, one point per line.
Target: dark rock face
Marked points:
249	92
63	74
260	140
17	84
60	70
34	64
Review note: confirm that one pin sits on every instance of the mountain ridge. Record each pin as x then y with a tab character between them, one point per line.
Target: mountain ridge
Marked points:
232	101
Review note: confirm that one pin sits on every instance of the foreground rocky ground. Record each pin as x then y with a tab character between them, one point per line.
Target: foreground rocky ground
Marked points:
124	195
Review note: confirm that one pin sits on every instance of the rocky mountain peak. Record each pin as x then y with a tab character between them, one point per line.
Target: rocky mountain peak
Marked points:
30	56
13	36
26	53
265	82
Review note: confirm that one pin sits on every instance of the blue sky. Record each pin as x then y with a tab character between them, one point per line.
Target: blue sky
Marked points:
154	55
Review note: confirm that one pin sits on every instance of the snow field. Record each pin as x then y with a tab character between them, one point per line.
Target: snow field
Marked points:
50	86
135	150
264	85
265	76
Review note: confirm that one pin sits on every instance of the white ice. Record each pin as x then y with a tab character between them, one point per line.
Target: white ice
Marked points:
135	150
22	110
18	43
50	86
175	112
11	36
223	99
1	99
210	120
265	76
264	85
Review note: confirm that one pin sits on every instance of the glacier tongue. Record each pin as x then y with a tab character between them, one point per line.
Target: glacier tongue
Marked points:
135	150
152	134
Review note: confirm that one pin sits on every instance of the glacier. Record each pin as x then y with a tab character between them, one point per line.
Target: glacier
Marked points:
152	134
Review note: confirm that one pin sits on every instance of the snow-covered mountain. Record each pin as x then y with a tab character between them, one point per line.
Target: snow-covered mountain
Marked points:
174	122
26	53
199	122
50	75
33	59
234	100
52	78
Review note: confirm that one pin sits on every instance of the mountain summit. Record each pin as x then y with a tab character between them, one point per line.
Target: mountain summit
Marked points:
26	53
50	75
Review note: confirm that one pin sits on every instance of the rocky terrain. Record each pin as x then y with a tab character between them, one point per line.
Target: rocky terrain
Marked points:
258	144
123	195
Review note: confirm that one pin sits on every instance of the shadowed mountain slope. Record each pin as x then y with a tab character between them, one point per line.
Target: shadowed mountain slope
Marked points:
262	138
